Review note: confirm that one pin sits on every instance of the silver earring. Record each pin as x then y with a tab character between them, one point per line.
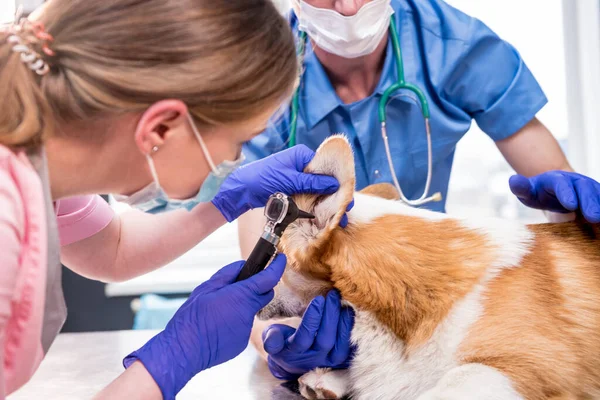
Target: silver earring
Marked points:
155	149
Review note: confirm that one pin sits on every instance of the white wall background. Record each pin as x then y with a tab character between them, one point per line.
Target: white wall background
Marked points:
283	5
582	56
479	182
7	10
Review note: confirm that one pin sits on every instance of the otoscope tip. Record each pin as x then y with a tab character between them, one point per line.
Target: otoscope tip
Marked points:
304	214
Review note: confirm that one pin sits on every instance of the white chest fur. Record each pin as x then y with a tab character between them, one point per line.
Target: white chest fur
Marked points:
381	372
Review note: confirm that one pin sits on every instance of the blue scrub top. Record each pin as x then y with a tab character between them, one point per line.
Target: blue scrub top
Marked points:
466	72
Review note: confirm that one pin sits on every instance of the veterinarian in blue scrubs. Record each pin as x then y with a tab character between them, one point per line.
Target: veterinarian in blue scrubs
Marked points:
465	72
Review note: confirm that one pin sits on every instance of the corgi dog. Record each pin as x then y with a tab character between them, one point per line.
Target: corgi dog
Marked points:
445	308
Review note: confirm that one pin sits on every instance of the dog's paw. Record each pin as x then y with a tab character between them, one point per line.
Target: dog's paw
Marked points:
323	383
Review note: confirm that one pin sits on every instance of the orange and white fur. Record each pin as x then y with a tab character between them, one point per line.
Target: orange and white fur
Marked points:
446	308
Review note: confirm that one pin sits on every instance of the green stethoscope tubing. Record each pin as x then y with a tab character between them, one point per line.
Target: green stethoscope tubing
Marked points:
294	113
399	85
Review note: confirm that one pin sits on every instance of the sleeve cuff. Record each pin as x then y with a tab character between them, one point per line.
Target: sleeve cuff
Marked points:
80	217
517	107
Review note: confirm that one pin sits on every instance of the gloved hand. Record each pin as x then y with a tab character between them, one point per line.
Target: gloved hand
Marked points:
559	191
211	327
344	220
321	340
251	185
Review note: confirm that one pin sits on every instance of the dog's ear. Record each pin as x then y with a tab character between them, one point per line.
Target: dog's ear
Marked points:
384	190
303	241
334	158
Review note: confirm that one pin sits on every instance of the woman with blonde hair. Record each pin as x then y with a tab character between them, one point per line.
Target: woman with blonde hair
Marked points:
150	100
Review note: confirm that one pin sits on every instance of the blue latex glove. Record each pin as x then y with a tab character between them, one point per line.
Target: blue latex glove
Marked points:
211	327
559	191
344	220
321	340
251	185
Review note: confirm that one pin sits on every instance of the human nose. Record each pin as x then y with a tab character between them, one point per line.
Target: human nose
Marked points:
348	8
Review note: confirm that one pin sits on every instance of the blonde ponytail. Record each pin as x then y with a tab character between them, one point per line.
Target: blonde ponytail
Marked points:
25	116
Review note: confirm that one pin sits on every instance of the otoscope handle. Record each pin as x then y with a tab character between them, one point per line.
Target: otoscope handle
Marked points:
258	259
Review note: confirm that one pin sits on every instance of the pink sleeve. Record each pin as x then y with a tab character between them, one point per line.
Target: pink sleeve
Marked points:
12	227
81	217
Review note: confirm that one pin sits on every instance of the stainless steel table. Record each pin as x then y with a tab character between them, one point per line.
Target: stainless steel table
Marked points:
79	365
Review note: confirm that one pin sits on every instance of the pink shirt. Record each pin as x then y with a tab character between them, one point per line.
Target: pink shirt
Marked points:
23	260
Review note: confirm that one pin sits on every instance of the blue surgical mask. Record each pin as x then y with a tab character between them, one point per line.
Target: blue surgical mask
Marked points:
153	199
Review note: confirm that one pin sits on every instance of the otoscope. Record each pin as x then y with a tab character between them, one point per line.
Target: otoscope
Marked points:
280	212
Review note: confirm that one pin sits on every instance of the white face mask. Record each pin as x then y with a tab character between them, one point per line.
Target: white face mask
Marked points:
153	198
348	37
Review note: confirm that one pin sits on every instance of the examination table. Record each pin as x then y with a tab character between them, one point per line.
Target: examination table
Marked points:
79	365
